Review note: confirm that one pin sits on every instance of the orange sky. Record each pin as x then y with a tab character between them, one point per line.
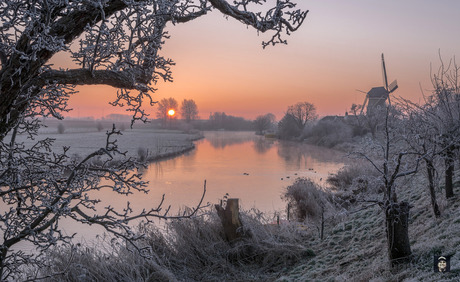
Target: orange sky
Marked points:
221	65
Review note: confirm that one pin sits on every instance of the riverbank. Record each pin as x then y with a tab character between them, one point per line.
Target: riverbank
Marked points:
355	248
144	144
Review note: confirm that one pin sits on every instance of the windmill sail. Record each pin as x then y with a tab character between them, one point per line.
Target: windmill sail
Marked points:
384	71
364	104
393	86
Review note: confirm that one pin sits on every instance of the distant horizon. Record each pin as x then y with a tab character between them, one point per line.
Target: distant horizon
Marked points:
127	116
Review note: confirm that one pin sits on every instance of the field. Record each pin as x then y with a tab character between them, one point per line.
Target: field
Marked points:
143	142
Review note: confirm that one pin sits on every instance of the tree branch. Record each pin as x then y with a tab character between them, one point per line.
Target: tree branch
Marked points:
251	19
273	20
119	79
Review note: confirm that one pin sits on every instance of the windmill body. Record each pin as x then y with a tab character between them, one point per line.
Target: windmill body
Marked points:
377	96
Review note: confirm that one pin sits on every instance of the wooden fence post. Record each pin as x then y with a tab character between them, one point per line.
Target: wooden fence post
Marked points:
230	218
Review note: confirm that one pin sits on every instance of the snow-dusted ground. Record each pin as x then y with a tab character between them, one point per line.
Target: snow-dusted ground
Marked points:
150	143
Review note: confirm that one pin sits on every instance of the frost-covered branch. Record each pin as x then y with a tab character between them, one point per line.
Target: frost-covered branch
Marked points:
279	18
129	79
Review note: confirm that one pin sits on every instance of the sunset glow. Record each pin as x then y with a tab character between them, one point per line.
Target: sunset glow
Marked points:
221	65
171	112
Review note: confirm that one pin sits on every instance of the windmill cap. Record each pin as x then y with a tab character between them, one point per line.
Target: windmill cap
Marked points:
377	92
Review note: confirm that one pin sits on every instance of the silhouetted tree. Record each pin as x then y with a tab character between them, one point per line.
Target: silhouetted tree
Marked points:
302	113
288	127
220	120
189	110
264	122
355	109
164	106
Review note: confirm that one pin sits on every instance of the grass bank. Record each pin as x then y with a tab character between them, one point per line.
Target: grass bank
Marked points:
355	249
145	144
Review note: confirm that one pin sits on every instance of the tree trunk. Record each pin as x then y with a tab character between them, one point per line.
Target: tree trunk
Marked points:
3	253
430	171
449	173
397	229
230	218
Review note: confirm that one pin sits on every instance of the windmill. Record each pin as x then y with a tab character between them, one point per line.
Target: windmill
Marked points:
377	96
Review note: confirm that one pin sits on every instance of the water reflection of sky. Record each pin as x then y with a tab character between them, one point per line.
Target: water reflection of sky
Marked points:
244	165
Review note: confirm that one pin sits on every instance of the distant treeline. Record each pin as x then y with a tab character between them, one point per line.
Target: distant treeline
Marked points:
222	121
216	121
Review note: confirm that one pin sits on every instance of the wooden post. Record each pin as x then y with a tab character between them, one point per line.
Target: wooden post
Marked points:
230	218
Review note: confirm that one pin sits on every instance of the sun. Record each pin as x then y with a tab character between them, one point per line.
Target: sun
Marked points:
171	112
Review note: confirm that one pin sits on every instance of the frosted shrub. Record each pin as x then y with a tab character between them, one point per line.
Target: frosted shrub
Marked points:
328	133
142	153
344	177
354	181
60	128
99	126
308	201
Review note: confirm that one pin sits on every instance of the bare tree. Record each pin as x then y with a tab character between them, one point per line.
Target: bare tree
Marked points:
302	113
422	139
164	107
355	110
393	162
264	122
112	42
189	110
443	109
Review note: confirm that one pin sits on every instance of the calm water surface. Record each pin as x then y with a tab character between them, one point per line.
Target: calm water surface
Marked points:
252	168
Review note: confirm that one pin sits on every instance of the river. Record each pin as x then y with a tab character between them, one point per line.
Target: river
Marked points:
241	164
